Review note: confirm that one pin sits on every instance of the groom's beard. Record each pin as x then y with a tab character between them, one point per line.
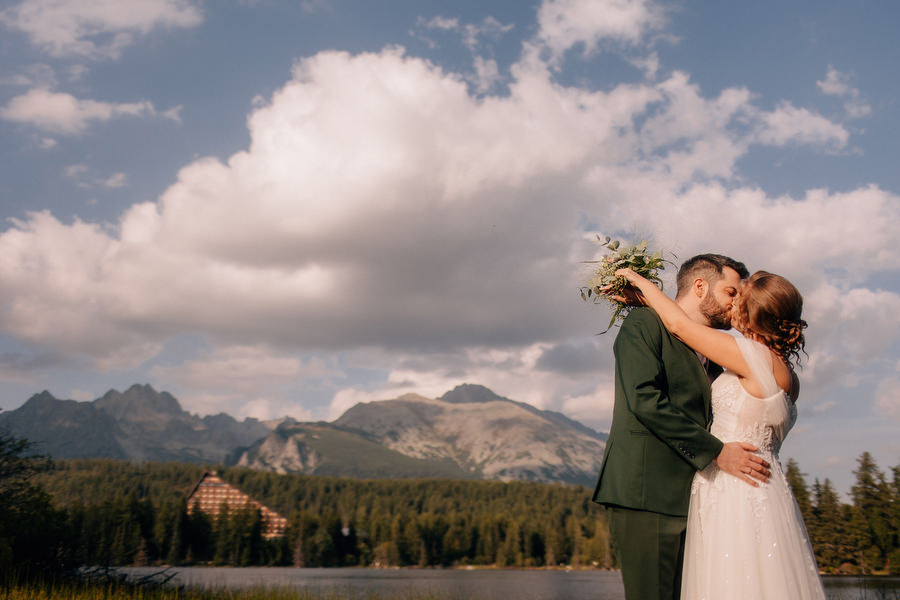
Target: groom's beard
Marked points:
718	316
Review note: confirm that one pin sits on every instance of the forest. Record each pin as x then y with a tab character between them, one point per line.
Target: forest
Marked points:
104	512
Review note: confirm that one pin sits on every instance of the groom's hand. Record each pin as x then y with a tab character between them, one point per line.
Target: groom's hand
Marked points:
737	458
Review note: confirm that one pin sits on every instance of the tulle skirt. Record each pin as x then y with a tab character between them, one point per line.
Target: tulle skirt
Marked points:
746	543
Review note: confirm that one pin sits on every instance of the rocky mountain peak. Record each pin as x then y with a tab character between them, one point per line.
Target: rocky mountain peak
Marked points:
483	433
470	393
46	404
413	397
41	399
140	402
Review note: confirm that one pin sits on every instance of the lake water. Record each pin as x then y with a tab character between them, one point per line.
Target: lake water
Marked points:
452	584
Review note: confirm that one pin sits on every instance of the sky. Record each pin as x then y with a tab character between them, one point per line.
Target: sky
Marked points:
274	208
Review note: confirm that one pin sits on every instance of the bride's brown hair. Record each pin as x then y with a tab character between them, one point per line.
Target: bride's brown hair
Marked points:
769	307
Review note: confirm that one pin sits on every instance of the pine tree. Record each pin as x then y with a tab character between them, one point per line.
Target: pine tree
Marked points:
178	544
828	532
30	528
894	556
801	492
224	537
872	517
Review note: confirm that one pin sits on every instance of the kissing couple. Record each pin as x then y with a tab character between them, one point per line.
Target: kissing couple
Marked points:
698	505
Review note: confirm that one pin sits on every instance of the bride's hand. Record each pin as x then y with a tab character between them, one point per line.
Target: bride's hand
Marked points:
630	295
629	274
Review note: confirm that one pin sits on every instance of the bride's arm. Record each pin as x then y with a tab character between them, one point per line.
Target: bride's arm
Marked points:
716	345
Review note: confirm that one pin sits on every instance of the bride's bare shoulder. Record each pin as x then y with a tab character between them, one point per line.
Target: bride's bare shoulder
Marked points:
785	377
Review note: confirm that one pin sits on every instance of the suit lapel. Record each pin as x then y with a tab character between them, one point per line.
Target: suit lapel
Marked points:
703	379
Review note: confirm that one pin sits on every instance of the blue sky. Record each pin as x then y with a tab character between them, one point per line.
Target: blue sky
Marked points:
272	208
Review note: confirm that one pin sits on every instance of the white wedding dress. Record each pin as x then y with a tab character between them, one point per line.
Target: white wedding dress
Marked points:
745	542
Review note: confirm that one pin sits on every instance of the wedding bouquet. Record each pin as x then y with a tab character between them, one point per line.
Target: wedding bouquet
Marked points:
604	284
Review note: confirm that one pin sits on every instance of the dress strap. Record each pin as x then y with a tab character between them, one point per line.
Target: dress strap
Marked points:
759	359
773	408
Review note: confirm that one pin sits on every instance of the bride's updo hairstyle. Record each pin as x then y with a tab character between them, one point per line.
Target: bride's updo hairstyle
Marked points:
769	307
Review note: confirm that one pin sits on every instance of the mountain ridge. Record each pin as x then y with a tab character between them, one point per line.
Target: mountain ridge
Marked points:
468	432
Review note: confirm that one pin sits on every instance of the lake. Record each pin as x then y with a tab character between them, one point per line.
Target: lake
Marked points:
475	584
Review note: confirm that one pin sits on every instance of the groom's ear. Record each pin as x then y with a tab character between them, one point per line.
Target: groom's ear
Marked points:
700	287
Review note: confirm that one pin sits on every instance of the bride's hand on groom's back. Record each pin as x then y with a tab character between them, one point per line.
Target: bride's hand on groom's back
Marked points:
737	458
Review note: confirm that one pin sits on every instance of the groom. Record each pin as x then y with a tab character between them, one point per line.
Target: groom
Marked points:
660	431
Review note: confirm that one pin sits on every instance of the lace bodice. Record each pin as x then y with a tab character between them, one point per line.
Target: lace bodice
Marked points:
739	416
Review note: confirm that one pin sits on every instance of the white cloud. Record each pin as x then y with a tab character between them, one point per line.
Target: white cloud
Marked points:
439	22
695	135
95	28
838	84
75	171
76	73
57	112
851	332
382	205
255	381
68	276
566	23
594	408
788	124
489	28
513	373
824	407
648	64
471	34
349	397
244	369
174	113
116	180
36	75
256	405
83	178
487	74
887	397
835	84
502	370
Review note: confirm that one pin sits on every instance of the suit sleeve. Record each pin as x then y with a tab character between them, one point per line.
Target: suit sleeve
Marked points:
643	380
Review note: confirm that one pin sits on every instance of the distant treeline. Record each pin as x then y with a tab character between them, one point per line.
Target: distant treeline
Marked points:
860	537
103	512
129	514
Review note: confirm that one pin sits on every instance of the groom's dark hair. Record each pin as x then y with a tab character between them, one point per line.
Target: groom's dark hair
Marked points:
708	267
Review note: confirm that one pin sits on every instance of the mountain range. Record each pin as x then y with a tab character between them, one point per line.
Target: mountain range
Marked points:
468	433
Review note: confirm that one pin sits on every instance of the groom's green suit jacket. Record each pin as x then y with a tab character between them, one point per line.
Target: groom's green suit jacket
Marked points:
660	430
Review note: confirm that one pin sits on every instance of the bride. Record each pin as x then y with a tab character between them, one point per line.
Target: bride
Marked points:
746	542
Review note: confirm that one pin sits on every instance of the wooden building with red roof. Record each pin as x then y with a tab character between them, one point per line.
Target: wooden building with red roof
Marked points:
212	492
